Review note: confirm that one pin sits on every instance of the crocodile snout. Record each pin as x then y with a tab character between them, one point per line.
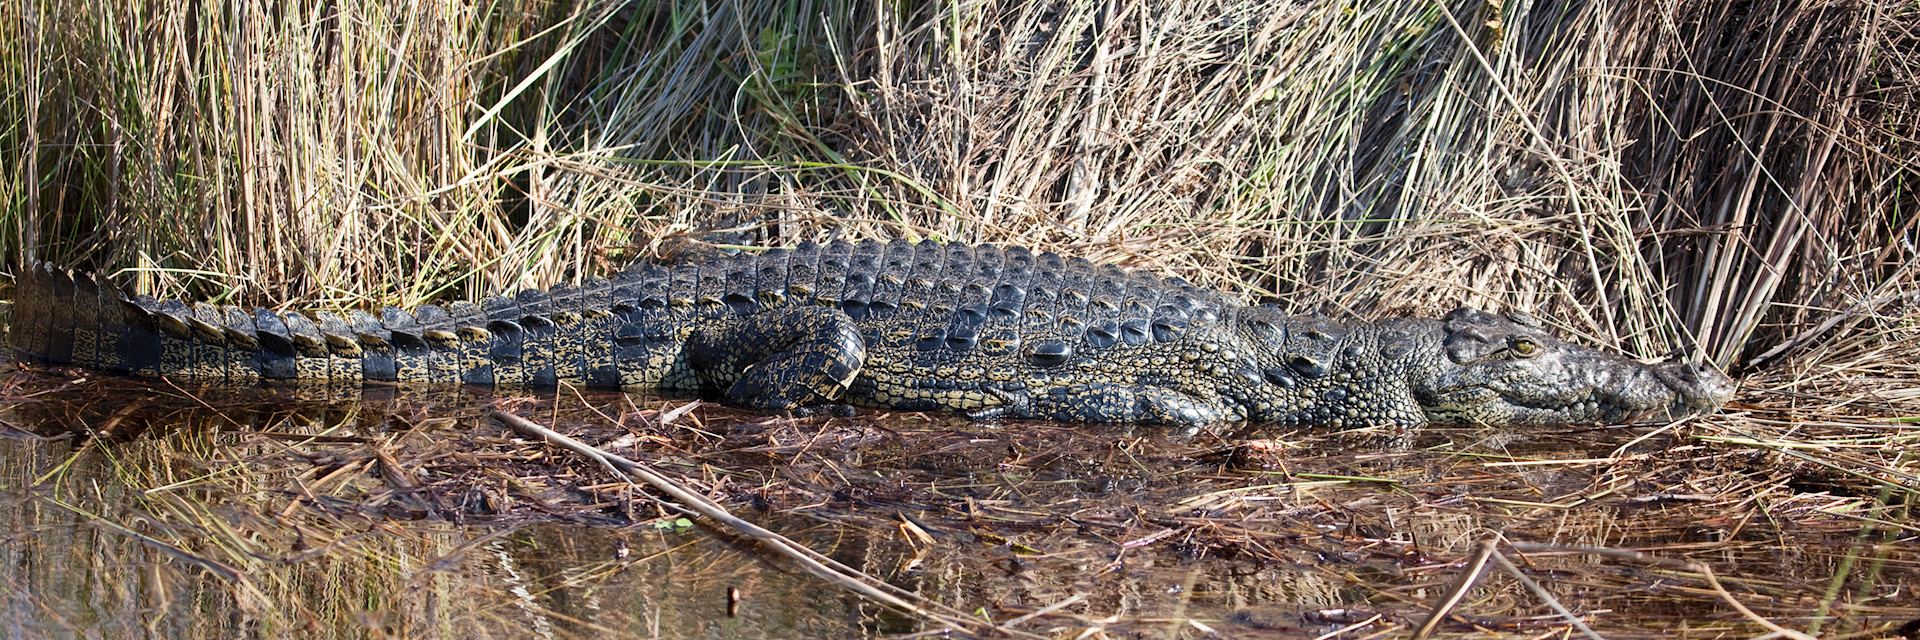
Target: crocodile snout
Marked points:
1698	388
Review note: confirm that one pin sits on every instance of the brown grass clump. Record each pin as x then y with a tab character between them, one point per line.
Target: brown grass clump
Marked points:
1728	178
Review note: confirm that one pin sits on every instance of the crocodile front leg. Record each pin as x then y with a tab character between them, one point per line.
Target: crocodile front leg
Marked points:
779	359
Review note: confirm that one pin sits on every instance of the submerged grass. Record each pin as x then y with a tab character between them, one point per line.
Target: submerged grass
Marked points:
1734	180
414	515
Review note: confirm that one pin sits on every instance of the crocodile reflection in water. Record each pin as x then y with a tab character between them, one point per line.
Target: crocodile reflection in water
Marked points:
984	330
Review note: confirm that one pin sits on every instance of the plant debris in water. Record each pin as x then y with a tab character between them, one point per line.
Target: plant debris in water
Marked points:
409	512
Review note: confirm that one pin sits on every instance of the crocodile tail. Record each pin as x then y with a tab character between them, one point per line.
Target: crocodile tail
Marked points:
66	318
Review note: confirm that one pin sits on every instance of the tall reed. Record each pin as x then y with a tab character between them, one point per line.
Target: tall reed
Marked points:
1735	180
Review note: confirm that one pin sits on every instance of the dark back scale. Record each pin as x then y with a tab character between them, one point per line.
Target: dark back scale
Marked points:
979	329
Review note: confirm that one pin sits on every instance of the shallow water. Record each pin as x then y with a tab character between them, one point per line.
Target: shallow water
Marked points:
135	508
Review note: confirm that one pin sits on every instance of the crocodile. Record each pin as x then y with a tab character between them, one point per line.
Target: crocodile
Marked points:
984	330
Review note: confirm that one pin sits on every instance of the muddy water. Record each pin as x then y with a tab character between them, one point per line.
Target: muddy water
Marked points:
131	509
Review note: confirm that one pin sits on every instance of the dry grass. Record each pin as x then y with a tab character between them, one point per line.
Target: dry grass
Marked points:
1713	176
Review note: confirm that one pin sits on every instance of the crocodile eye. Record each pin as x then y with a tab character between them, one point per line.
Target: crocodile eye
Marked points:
1523	346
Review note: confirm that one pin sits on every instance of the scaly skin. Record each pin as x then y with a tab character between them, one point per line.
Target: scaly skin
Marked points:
986	331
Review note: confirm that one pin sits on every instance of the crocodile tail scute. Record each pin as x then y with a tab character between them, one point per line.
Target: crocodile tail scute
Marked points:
78	319
66	318
595	334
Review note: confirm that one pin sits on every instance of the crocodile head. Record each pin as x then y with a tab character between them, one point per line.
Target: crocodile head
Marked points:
1506	371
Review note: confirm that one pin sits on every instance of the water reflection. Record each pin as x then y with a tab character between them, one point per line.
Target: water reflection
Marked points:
143	509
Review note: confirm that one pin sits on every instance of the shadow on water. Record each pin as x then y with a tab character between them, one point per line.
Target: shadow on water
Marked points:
136	508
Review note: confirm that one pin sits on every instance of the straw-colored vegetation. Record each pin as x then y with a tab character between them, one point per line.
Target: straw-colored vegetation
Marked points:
1721	174
1735	180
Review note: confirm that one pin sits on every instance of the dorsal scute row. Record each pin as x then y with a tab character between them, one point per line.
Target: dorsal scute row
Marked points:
350	333
985	292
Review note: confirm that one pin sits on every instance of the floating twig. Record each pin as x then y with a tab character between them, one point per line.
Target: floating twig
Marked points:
828	569
1469	577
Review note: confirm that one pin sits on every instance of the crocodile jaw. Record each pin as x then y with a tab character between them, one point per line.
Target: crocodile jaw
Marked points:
1569	388
1696	388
